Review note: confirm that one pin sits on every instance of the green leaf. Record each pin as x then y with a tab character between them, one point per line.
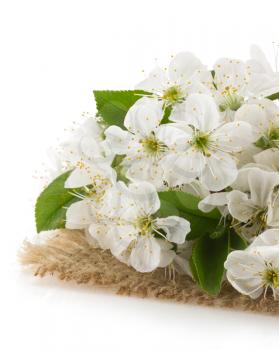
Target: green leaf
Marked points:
167	113
200	226
118	167
112	106
193	269
237	242
274	96
263	142
208	257
167	209
269	140
51	205
188	203
219	231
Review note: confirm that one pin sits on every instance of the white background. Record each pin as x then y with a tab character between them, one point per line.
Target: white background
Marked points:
52	55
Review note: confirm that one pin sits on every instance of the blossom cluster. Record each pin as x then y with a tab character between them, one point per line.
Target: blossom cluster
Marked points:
209	135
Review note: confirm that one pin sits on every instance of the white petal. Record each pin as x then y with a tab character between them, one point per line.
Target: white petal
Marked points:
143	195
243	263
88	174
246	155
192	162
196	188
175	227
180	170
255	115
167	252
263	81
90	147
251	286
174	173
69	151
178	113
261	185
241	183
80	215
120	238
183	66
182	266
100	233
146	255
199	110
219	172
91	240
243	272
212	201
273	212
230	73
78	178
155	81
84	142
145	170
172	136
240	206
263	85
258	57
233	137
267	238
118	139
144	116
91	128
183	255
269	157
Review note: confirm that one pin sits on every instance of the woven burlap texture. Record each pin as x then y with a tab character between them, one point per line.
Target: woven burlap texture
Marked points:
68	255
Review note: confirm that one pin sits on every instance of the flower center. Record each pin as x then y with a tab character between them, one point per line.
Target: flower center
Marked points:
200	142
255	225
230	99
97	188
153	146
269	140
144	224
172	95
271	276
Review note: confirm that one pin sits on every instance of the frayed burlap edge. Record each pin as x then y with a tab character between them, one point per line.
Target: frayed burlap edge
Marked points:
68	255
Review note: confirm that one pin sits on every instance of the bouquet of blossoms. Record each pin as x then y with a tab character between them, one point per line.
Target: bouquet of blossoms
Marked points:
181	173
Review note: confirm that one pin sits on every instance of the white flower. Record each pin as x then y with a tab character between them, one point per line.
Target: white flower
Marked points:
135	235
86	155
208	148
80	215
196	188
262	115
263	80
235	81
253	201
86	144
256	269
247	155
145	144
268	158
230	81
267	238
90	184
214	200
185	75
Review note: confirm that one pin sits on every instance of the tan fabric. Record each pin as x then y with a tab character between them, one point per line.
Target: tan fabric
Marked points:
70	257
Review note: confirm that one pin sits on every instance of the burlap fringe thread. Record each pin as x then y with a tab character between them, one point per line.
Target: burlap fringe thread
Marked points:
71	258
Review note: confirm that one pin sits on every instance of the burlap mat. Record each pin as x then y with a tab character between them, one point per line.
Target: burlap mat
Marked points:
71	258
